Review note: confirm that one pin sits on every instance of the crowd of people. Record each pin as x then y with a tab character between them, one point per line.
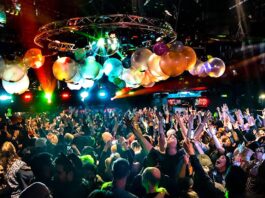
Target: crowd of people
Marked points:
145	153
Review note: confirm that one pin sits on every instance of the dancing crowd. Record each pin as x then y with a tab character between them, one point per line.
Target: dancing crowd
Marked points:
146	153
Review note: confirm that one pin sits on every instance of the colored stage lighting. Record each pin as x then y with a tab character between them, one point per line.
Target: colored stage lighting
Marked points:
48	97
101	42
84	95
27	97
5	97
102	94
65	95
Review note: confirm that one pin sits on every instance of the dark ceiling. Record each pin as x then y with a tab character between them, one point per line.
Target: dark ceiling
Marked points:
215	27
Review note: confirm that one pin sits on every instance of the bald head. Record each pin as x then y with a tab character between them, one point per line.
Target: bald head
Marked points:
151	176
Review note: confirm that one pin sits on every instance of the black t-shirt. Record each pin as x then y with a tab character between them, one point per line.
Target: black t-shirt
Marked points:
168	164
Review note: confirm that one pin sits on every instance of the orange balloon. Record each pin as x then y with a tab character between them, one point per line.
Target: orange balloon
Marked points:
64	68
190	56
33	58
154	67
173	63
148	80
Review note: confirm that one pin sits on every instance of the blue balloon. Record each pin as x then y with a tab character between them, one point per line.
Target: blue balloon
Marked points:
113	67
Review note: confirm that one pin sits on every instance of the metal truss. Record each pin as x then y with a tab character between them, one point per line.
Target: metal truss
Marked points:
57	28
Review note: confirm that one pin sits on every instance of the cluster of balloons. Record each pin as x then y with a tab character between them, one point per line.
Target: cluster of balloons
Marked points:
14	74
165	61
144	68
77	75
214	67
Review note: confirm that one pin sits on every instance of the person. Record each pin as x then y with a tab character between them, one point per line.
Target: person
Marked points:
36	189
42	168
218	174
236	180
18	175
67	183
150	180
121	171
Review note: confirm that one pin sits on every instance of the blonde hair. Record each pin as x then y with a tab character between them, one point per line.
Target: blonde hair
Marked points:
8	155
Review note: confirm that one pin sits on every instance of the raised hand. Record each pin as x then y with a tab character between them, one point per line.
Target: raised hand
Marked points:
189	147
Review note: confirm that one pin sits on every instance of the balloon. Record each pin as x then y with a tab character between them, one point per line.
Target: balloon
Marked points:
2	66
87	83
132	77
18	87
90	68
100	74
33	58
154	67
13	72
176	46
215	68
64	68
113	67
139	58
126	62
173	64
190	56
112	78
199	69
80	54
76	79
74	86
148	80
121	84
160	48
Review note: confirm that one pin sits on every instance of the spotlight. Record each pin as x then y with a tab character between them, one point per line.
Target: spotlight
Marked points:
102	93
5	97
101	42
65	95
48	96
262	96
27	97
84	95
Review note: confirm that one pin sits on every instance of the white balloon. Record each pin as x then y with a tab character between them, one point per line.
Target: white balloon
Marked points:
13	72
18	87
77	77
87	83
73	86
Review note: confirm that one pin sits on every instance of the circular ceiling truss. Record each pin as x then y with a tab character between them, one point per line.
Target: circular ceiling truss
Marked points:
49	34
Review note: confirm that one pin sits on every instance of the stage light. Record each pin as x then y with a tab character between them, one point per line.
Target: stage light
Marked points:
2	17
224	95
48	96
65	95
5	97
27	97
101	42
262	96
102	93
84	95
